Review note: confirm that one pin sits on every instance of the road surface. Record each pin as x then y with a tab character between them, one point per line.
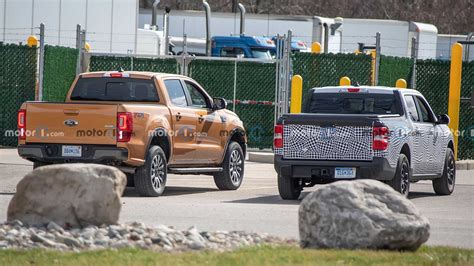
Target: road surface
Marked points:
256	206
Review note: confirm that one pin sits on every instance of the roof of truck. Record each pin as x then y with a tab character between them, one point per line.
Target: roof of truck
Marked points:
370	89
133	74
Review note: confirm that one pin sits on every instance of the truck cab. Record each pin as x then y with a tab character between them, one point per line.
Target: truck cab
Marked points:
242	46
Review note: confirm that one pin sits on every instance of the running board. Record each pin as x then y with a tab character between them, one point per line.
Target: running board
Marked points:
197	170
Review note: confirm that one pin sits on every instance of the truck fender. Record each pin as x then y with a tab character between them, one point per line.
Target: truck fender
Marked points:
160	137
237	134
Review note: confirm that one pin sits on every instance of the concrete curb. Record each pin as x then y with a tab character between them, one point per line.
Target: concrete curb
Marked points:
267	157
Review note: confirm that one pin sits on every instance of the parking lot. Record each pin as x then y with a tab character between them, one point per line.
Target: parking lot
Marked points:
256	206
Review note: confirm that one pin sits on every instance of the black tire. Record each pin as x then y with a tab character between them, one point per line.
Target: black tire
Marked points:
233	168
445	184
289	188
130	179
150	179
39	164
401	180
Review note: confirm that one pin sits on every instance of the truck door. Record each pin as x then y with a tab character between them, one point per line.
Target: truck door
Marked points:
434	159
420	138
209	137
184	121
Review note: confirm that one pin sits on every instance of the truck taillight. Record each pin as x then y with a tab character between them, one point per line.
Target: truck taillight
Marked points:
380	134
124	126
22	124
278	136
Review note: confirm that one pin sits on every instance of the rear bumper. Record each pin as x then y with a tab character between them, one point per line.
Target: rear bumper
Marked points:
323	171
51	153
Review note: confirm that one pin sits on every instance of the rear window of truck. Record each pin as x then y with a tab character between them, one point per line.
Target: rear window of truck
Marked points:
354	103
115	89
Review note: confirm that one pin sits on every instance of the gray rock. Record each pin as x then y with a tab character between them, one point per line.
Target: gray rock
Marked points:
46	242
69	194
121	244
362	214
54	226
69	241
3	244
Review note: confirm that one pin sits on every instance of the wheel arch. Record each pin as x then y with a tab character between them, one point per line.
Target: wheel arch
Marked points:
238	135
407	152
160	137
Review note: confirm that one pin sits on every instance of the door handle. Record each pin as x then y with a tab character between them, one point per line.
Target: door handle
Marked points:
178	116
200	119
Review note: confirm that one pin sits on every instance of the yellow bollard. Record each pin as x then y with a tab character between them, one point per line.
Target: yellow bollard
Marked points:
316	48
373	53
296	94
401	84
32	41
455	93
345	81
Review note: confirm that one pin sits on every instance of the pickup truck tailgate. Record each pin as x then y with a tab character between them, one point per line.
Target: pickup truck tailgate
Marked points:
324	137
71	123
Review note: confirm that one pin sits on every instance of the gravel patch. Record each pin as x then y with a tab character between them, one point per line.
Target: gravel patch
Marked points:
14	235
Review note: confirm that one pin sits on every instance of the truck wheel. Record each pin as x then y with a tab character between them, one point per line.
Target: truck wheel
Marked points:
445	184
39	164
289	188
233	168
130	179
150	179
401	180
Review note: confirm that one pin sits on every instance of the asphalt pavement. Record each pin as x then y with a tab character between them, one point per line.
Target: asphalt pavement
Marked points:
256	207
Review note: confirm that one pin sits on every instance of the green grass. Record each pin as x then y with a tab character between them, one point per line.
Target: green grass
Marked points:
266	255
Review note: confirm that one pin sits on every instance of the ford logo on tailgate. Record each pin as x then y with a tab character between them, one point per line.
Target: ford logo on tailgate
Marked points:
71	123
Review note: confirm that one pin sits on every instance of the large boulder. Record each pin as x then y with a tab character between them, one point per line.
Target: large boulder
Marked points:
362	214
71	195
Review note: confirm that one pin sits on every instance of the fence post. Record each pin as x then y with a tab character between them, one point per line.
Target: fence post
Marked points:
296	94
79	48
414	57
41	64
377	59
455	93
235	85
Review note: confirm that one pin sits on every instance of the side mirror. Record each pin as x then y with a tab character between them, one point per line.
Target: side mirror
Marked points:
219	103
443	119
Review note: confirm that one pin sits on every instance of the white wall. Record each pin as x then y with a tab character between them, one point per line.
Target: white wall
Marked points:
111	24
394	35
445	43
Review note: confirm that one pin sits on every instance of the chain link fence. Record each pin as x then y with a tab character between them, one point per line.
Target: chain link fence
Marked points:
59	72
250	87
17	85
466	115
319	70
131	63
393	68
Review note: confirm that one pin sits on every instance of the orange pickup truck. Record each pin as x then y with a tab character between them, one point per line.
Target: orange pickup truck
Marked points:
146	124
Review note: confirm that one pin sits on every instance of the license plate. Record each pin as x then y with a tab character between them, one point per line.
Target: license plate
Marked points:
342	172
72	151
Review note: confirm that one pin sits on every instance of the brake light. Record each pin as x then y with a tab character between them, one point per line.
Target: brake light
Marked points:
380	135
115	75
278	136
353	90
22	124
124	127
